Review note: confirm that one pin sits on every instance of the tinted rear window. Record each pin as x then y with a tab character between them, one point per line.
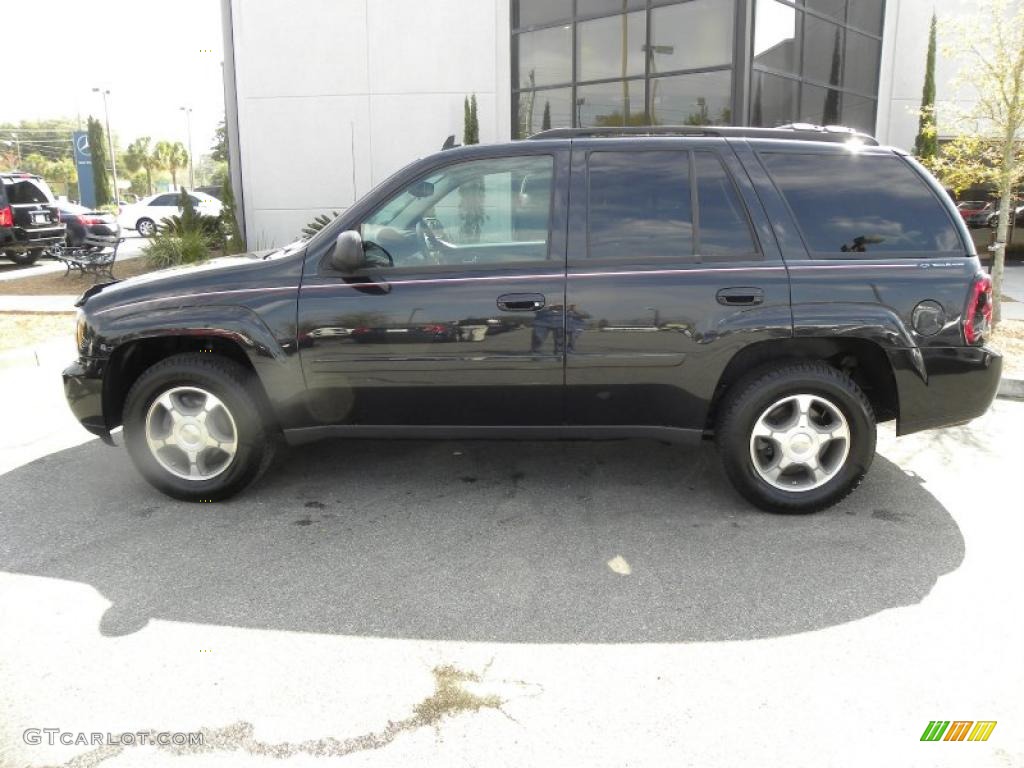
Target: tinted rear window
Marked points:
27	192
854	203
639	205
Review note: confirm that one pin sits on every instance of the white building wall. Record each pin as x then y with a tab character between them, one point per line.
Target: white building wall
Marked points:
333	96
904	54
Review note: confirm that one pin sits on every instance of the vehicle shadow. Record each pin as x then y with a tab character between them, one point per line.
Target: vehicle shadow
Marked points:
473	541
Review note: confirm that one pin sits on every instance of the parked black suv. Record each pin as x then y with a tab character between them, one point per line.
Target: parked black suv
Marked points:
779	290
29	219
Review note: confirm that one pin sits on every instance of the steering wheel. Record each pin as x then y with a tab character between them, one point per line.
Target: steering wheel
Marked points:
428	241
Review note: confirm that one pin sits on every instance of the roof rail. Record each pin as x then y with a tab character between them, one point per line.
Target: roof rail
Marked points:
793	132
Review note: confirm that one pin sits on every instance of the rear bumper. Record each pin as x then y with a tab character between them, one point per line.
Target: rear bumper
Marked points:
83	388
945	386
21	239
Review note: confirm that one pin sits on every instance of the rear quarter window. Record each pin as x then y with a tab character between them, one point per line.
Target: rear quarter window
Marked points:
849	204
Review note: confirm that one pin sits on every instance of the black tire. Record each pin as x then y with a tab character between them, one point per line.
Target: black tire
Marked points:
749	398
24	258
145	227
237	389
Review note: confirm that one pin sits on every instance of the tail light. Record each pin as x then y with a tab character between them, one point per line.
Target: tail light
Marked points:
6	217
90	221
978	315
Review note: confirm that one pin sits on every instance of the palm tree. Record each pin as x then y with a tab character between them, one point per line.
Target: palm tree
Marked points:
160	157
139	155
177	159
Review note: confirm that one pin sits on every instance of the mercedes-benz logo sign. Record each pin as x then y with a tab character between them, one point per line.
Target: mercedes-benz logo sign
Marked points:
82	144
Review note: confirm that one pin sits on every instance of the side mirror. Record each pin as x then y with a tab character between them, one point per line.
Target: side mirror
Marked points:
348	255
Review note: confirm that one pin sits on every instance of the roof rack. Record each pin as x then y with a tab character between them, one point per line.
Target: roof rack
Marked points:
792	131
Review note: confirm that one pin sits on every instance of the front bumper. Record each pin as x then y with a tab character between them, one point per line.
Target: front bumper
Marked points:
83	388
945	386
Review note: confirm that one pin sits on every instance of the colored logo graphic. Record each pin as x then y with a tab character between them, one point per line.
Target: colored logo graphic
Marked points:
958	730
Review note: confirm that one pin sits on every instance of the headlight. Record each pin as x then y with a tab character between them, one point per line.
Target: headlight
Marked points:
80	327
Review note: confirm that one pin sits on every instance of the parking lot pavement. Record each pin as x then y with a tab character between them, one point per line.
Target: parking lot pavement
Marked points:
617	599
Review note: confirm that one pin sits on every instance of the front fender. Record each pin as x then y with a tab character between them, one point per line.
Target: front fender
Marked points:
271	352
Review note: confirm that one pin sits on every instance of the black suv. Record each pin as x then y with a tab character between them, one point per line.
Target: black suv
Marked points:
780	291
29	218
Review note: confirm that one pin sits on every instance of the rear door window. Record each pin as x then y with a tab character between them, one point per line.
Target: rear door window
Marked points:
640	206
723	228
862	204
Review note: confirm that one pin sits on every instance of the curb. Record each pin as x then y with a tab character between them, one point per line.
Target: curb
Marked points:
1011	389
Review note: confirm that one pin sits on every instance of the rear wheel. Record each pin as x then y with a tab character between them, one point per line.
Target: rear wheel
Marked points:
24	258
797	437
145	227
193	427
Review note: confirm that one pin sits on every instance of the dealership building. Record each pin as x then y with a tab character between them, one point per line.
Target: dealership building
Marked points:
326	98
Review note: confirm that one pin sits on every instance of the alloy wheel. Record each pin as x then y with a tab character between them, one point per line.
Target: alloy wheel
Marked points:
800	442
191	433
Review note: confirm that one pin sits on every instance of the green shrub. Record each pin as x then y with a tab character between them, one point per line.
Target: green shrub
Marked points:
208	226
318	223
234	240
190	221
173	250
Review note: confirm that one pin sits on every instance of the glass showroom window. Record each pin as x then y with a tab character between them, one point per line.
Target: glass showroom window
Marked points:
621	62
816	61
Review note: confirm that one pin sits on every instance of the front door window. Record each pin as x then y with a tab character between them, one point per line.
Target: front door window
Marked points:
481	212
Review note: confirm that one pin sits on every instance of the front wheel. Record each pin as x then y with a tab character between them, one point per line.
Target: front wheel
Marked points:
797	437
193	427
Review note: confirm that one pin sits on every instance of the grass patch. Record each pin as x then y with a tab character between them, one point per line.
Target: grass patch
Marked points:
28	330
1009	339
450	698
57	284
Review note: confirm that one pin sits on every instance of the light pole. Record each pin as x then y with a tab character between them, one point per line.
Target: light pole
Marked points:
17	147
191	165
110	142
651	50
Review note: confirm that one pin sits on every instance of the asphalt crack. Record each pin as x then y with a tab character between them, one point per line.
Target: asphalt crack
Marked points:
450	698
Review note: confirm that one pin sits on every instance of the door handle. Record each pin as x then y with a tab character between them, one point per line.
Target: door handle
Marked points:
521	302
740	297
